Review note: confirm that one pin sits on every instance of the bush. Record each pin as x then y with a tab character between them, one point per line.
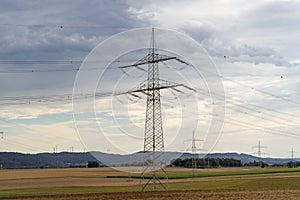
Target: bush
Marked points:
92	164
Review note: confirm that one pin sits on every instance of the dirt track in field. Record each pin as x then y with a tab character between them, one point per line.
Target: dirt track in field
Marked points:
181	195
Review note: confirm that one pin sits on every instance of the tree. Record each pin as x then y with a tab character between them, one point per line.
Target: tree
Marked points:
257	164
207	162
92	164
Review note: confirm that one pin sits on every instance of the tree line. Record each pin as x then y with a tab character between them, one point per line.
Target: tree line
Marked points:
291	164
206	162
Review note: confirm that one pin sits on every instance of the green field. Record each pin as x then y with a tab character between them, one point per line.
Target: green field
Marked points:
224	179
237	172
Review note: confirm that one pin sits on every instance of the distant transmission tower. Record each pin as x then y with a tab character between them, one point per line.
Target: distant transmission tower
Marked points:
259	150
153	139
292	156
194	150
1	167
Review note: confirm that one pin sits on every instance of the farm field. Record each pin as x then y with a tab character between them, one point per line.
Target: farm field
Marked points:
106	183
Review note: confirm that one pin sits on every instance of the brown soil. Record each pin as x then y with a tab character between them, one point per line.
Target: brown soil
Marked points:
45	178
181	195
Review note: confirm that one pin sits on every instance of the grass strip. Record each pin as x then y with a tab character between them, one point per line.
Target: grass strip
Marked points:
212	174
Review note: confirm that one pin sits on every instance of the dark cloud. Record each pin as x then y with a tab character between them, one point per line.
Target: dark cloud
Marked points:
34	27
54	30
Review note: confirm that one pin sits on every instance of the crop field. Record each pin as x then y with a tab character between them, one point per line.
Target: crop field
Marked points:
106	183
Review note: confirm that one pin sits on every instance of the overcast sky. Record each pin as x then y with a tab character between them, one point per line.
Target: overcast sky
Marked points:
254	44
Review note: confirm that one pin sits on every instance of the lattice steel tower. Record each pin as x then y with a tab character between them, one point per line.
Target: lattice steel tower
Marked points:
153	139
194	150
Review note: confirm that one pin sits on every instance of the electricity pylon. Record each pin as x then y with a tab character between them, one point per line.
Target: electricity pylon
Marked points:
292	156
153	138
259	147
1	133
194	150
259	151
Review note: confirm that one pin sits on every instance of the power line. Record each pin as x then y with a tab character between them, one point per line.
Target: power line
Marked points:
62	66
263	92
63	26
240	104
19	71
266	130
282	133
68	97
57	98
249	86
22	145
40	62
21	140
241	108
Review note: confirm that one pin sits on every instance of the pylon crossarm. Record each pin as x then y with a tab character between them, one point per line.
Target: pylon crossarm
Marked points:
176	90
144	89
182	61
134	95
148	59
163	84
187	87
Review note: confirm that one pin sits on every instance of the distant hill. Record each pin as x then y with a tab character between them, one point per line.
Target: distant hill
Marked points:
10	160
